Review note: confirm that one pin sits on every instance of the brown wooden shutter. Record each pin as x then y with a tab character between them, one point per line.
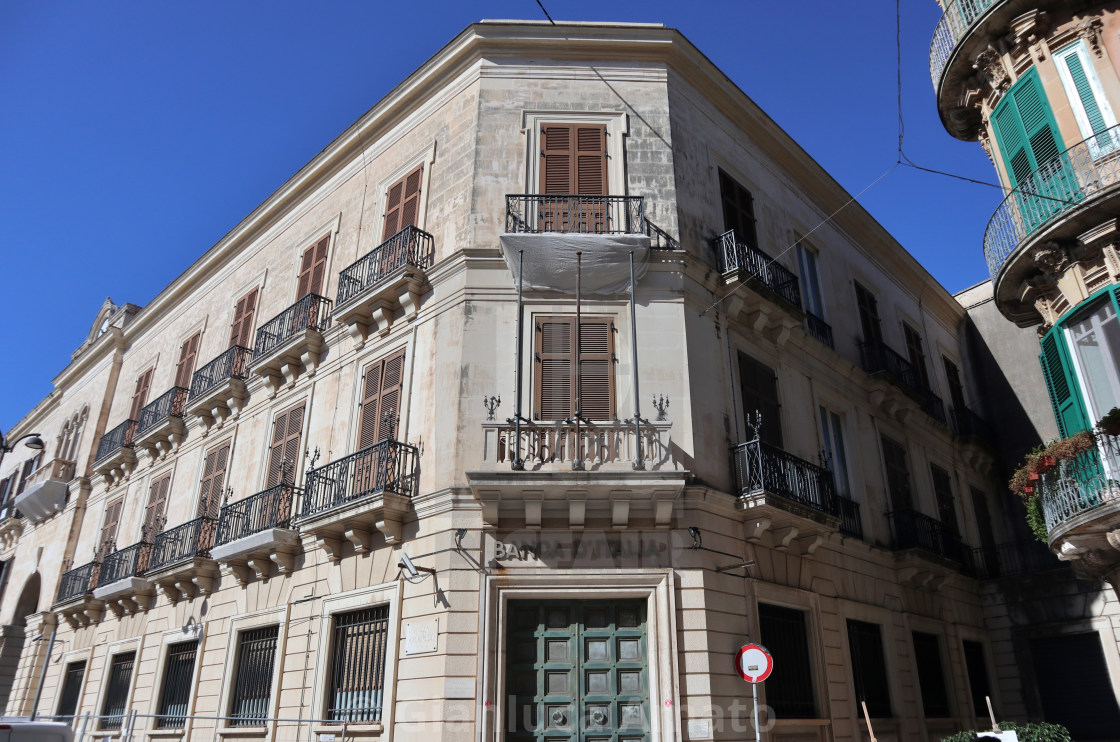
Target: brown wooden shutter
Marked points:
242	327
140	396
312	268
187	355
596	379
381	400
157	503
109	528
591	160
402	204
554	384
286	431
574	159
213	482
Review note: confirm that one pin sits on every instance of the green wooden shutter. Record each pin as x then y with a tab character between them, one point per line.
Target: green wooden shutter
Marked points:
1057	367
1085	92
1025	129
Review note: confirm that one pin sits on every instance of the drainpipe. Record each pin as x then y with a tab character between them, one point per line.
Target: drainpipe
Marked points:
43	674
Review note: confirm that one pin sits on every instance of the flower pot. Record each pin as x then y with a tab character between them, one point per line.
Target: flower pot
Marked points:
1033	476
1048	462
1028	489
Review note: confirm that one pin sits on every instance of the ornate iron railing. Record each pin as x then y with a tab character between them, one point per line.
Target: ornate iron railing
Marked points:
537	213
850	521
968	424
130	561
410	246
819	329
312	312
388	466
270	508
116	439
1012	559
192	539
168	404
659	238
543	445
735	255
77	582
913	530
760	467
1059	185
934	407
954	24
232	364
876	356
1081	484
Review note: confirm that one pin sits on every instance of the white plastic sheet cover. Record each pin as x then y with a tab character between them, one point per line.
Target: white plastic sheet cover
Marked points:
550	260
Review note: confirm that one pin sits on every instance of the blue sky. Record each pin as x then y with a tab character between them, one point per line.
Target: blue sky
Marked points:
133	135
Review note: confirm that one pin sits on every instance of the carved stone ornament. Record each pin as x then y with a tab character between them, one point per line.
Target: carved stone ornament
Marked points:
990	66
1089	31
1051	258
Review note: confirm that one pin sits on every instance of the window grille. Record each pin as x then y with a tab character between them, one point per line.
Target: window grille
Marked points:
252	685
358	666
790	691
176	694
869	667
931	675
977	670
116	692
71	689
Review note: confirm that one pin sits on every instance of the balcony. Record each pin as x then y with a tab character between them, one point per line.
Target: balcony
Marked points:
119	583
774	309
789	500
291	343
851	523
956	21
180	565
917	535
348	499
160	429
115	458
390	278
572	214
882	362
46	492
1059	200
565	474
218	389
255	534
1011	560
75	601
819	329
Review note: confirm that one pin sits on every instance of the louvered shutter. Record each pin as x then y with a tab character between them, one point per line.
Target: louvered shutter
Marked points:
381	395
1057	368
557	153
242	327
596	377
286	432
1025	129
213	482
140	396
109	528
591	160
1085	92
157	503
868	307
402	203
313	267
554	385
758	386
187	355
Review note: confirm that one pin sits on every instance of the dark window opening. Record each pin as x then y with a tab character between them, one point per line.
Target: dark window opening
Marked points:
789	689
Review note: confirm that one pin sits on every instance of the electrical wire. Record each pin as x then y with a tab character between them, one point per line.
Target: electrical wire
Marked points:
546	15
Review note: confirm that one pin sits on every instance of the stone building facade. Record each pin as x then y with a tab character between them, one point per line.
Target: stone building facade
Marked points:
512	415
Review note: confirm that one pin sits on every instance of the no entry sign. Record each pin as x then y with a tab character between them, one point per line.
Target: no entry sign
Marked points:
753	663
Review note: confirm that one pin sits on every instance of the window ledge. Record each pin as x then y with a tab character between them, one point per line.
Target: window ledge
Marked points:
244	732
166	733
352	730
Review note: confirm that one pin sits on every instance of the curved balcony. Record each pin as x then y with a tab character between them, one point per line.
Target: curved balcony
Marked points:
958	18
1089	483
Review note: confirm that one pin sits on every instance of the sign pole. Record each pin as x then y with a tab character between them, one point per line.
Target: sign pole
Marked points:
757	730
754	664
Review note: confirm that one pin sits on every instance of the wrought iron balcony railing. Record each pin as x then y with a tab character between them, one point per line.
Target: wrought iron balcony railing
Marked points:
1061	184
659	238
130	561
116	439
762	468
819	329
1011	560
388	466
270	508
410	246
736	255
934	407
850	521
913	530
232	364
1081	484
968	424
168	404
954	24
77	582
192	539
312	312
535	213
876	356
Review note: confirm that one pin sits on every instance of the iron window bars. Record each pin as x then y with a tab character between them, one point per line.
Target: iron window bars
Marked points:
357	684
252	684
175	696
116	692
71	690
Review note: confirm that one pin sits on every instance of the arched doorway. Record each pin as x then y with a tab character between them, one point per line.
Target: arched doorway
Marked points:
13	636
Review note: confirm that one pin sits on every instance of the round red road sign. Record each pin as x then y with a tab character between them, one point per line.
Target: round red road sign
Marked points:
753	663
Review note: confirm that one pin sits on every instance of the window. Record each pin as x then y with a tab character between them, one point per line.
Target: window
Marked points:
29	468
71	690
241	329
977	670
738	210
284	449
1075	686
983	518
1095	342
213	482
140	395
943	491
868	315
188	354
956	390
381	400
177	676
312	268
810	281
402	203
358	665
785	634
157	504
1061	383
759	386
931	676
1087	99
108	541
573	159
252	681
556	394
898	475
916	354
1025	130
837	459
116	690
869	667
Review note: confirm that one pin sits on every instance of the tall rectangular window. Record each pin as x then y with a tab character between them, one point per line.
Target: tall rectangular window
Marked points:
738	210
213	481
916	353
898	475
241	329
943	491
140	395
157	504
312	269
71	690
556	366
977	669
1026	134
956	389
573	159
784	632
116	690
833	436
1086	97
758	385
287	430
931	675
108	540
869	667
178	674
810	281
358	666
188	354
868	307
381	400
252	677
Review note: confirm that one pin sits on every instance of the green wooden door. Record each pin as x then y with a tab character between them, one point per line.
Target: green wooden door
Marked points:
576	671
